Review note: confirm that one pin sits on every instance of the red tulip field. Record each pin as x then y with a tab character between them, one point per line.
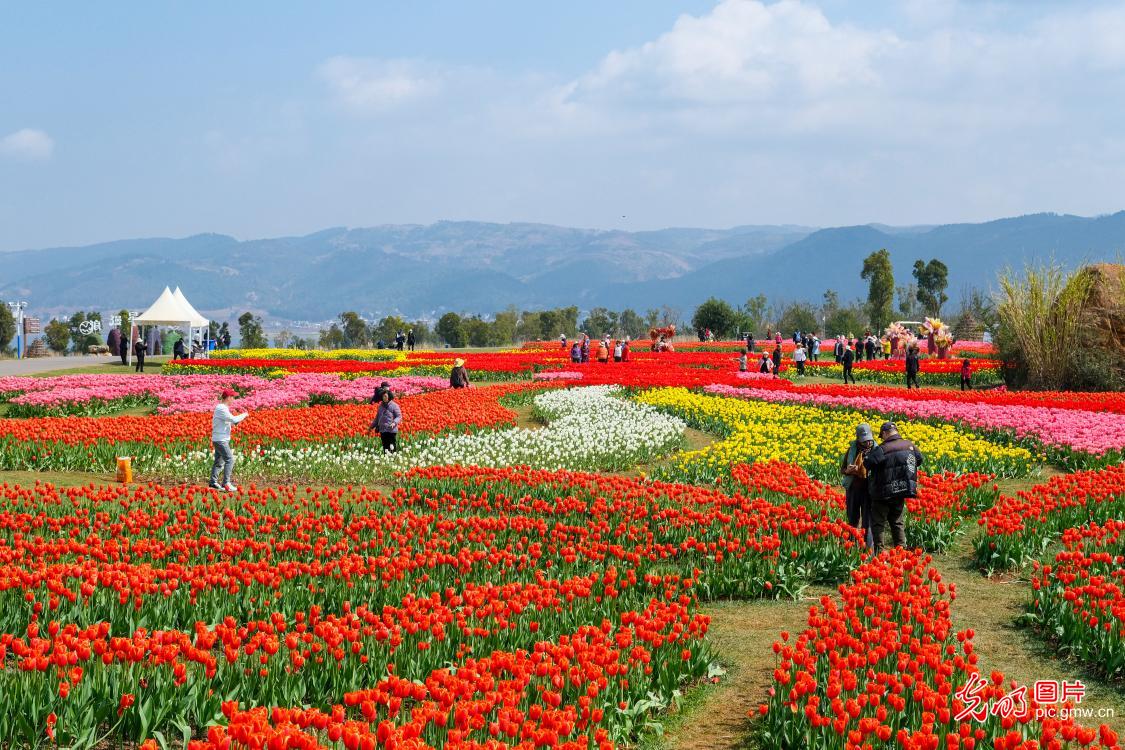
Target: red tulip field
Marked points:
539	563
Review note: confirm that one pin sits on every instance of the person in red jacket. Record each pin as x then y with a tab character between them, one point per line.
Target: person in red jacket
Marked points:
966	375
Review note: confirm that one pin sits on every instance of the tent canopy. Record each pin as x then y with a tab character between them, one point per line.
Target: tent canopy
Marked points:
197	320
169	311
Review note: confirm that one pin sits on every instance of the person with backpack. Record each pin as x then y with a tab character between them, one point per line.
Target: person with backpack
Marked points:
854	471
847	360
387	421
912	366
892	478
221	422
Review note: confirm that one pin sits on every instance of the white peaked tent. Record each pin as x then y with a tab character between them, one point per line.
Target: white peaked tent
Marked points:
198	321
172	309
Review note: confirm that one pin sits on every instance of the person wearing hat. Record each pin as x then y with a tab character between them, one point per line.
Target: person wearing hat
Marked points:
892	477
799	357
855	480
221	422
387	420
458	376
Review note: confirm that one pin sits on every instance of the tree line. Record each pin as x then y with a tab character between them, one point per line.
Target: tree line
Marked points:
924	296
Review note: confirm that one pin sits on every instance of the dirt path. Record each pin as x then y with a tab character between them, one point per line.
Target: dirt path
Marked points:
742	633
991	608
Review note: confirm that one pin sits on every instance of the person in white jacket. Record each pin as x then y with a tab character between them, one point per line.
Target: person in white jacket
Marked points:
221	422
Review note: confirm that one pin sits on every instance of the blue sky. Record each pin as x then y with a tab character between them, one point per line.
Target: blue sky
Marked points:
261	119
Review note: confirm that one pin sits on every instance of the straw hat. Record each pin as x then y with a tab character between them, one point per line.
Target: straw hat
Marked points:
458	362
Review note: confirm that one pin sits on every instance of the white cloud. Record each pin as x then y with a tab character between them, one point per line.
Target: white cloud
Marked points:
375	86
27	145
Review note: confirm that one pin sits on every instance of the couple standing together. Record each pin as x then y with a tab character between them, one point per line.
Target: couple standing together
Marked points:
877	481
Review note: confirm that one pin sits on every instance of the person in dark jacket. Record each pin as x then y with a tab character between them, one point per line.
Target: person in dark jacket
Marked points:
777	361
178	350
966	375
387	420
458	376
838	350
123	349
892	477
869	348
854	473
113	341
411	340
848	359
575	353
139	350
912	365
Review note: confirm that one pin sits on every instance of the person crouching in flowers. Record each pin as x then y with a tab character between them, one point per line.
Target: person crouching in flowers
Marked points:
221	422
892	477
458	376
387	420
855	481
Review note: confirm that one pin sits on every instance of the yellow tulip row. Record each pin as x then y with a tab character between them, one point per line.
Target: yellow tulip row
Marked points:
814	438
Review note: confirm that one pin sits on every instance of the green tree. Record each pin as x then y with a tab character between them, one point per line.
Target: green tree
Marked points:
798	316
331	337
451	329
845	320
752	315
477	331
7	326
250	332
717	315
632	324
283	339
877	271
354	329
82	330
504	326
58	336
530	327
932	278
599	322
386	329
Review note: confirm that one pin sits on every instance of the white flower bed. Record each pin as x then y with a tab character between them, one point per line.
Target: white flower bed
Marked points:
588	429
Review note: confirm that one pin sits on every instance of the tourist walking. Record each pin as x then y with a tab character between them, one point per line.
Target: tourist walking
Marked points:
139	350
410	340
799	356
575	353
458	376
765	364
869	348
123	350
603	352
966	375
742	360
858	500
585	349
618	351
178	351
814	352
886	345
562	340
625	350
777	360
847	361
387	420
221	422
838	350
892	477
912	365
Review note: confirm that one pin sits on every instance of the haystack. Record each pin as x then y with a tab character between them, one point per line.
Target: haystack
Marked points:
1105	307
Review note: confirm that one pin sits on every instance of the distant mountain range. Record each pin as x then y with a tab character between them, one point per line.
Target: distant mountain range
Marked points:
424	271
